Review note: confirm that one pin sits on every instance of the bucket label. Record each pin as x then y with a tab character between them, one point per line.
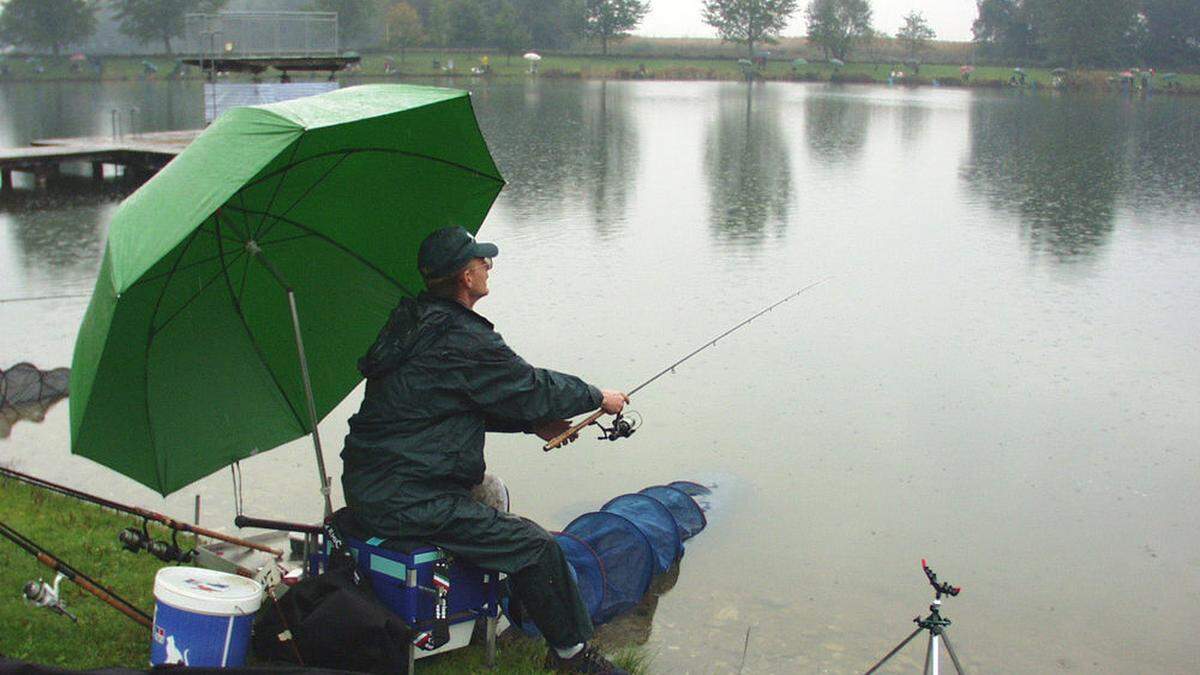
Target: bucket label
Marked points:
205	585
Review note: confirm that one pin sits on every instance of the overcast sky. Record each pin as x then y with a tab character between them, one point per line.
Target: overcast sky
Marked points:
951	19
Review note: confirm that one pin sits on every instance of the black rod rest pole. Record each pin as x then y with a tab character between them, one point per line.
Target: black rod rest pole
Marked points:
253	248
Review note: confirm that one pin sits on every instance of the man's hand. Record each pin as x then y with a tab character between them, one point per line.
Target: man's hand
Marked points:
614	401
550	429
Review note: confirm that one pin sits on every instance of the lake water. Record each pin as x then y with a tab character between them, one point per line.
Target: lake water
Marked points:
996	377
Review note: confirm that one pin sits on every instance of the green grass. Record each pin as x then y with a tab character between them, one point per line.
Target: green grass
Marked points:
417	65
85	537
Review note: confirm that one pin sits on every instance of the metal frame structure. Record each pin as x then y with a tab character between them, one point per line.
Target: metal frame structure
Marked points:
259	34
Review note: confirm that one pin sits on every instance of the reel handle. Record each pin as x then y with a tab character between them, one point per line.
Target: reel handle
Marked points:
562	438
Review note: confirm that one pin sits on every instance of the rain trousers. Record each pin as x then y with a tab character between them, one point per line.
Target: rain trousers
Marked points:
438	377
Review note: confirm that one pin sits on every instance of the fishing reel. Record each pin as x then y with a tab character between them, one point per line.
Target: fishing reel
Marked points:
622	426
41	594
134	540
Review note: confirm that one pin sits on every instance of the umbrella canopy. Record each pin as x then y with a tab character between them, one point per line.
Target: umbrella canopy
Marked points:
532	56
966	69
799	62
1059	71
837	62
187	359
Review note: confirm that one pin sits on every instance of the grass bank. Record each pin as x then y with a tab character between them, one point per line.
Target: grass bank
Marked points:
85	537
429	64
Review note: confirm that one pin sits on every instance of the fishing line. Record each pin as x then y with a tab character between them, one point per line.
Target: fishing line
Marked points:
623	427
46	297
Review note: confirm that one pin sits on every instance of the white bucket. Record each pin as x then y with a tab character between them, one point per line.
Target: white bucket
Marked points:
202	617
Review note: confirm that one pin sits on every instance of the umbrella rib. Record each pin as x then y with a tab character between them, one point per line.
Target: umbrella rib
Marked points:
156	330
389	151
262	231
275	193
214	234
270	242
159	469
245	218
352	254
237	309
181	268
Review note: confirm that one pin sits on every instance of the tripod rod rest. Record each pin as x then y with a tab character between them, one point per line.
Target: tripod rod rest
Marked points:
941	589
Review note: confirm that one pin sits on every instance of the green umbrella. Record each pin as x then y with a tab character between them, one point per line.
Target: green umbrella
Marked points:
279	239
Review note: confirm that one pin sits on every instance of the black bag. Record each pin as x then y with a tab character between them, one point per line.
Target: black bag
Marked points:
333	620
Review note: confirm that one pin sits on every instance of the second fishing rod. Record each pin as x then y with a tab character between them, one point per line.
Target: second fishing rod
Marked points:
623	427
132	538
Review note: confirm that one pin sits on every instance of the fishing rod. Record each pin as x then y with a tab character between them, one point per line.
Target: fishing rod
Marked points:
44	595
133	539
623	428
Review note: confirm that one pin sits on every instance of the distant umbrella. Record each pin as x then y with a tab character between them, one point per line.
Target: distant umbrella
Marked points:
837	62
1168	77
1018	69
1059	71
799	62
966	70
745	62
1128	74
532	56
78	56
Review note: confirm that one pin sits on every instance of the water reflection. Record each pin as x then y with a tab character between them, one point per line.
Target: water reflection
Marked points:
634	626
1056	162
836	127
34	110
569	143
747	165
59	230
914	118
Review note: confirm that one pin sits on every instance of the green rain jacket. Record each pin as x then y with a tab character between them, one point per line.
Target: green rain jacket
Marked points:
438	377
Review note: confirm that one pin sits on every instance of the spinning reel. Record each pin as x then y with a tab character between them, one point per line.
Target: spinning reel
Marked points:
134	540
622	426
41	594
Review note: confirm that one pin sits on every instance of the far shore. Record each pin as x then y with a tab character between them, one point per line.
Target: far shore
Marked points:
478	64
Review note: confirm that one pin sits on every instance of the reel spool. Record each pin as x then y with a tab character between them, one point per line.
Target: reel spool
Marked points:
41	594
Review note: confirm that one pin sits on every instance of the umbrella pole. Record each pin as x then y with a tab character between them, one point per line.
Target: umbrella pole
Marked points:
312	406
308	392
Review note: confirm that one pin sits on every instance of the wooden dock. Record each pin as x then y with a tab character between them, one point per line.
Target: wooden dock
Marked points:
141	154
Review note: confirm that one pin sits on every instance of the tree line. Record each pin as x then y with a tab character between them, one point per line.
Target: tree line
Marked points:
1090	32
1063	32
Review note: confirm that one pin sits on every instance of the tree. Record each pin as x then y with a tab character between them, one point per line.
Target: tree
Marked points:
915	35
44	24
607	20
507	33
1004	30
837	25
355	17
149	20
747	22
552	24
1173	31
402	26
467	25
1083	32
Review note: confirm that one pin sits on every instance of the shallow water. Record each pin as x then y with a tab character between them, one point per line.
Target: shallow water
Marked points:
996	377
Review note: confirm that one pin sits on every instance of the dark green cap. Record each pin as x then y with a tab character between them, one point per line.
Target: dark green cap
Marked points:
448	250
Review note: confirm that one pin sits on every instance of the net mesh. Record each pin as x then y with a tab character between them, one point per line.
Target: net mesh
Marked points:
24	383
618	552
27	393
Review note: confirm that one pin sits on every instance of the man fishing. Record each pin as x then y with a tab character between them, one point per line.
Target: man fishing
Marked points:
438	377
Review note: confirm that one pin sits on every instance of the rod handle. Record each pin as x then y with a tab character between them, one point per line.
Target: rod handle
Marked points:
247	521
562	438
